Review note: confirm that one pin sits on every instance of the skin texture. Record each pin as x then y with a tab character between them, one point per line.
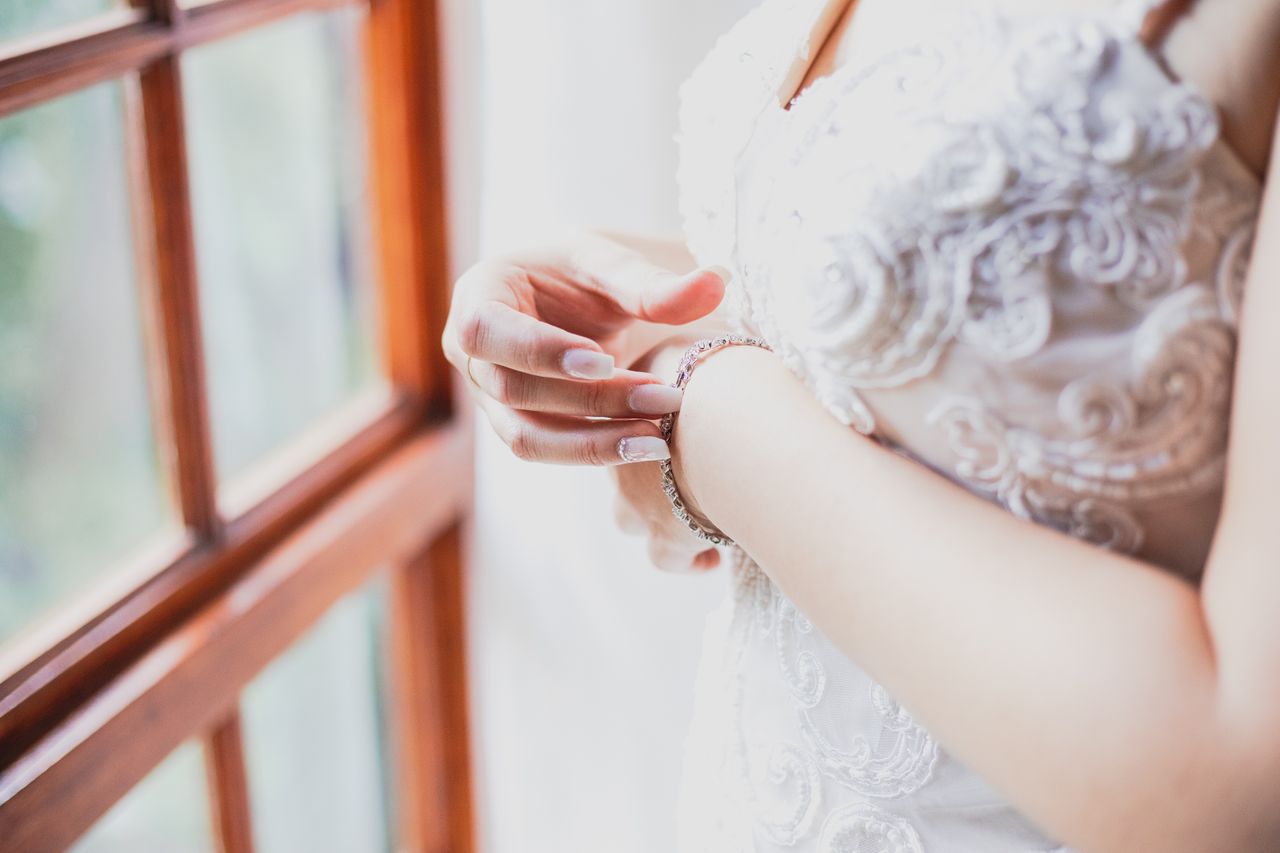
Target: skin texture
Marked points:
1120	707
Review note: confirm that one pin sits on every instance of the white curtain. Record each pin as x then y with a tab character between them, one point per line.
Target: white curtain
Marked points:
582	654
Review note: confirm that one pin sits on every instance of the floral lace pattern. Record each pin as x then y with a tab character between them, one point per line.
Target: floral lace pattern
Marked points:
1152	437
1020	241
862	827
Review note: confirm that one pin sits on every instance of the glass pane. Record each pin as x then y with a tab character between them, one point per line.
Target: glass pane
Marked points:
168	810
80	481
24	17
315	740
276	127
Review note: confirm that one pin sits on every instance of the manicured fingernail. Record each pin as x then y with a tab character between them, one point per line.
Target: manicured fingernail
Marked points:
643	448
655	399
587	364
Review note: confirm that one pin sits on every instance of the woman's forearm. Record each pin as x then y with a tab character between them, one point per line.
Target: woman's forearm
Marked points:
1081	682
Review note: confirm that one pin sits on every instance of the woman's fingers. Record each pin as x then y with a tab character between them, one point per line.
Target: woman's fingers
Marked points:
542	437
628	394
627	518
641	507
499	334
643	289
668	558
679	557
707	560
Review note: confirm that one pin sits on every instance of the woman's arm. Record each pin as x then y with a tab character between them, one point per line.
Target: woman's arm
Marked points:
1118	706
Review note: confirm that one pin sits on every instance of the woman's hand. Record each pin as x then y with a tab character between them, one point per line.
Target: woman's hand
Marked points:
538	336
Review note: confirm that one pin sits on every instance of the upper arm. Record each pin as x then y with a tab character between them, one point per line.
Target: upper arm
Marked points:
1242	580
1226	49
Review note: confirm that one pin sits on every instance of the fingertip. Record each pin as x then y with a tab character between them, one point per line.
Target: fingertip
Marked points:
642	448
655	399
707	560
690	297
709	282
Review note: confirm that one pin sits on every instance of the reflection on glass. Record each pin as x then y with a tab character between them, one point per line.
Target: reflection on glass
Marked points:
276	129
315	740
168	810
24	17
80	481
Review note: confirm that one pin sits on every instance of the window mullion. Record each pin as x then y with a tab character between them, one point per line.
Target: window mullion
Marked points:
429	698
229	785
186	414
408	170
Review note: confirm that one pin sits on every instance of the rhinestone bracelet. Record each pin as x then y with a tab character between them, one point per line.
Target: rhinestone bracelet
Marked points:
687	362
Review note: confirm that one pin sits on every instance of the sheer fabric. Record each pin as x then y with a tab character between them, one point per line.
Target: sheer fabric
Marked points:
1008	245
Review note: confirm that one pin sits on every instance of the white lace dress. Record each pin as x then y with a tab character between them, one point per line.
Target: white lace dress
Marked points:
1009	245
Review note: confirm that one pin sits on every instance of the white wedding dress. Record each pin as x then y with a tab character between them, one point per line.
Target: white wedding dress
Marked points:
1009	245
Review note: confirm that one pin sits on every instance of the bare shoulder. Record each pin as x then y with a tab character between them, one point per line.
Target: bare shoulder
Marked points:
1227	49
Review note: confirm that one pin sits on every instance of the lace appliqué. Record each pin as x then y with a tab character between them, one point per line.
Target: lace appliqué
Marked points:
1162	433
783	792
1007	173
783	781
863	827
994	177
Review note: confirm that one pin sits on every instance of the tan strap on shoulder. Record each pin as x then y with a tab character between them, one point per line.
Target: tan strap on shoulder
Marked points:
1156	18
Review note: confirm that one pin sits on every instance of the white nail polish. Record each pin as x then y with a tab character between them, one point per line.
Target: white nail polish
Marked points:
587	364
643	448
655	399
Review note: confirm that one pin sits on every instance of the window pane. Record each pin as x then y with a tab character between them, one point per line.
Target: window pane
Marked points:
314	737
80	481
23	17
168	810
277	128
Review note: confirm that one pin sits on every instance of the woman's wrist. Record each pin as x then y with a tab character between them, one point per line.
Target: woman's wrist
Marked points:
663	357
664	360
717	396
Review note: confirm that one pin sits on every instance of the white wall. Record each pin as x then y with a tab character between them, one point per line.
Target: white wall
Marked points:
583	655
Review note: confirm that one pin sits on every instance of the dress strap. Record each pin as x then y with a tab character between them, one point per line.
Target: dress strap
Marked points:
1151	20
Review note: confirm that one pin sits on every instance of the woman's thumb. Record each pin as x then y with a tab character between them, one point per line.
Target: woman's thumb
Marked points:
683	299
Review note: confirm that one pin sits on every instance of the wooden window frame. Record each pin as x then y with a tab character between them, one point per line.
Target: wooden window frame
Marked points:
90	707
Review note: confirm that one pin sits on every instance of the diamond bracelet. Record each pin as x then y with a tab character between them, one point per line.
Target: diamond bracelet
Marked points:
687	363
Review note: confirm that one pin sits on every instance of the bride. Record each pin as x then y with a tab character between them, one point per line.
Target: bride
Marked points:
953	266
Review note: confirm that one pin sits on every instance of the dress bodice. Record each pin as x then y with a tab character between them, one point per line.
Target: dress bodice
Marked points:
1010	246
1007	243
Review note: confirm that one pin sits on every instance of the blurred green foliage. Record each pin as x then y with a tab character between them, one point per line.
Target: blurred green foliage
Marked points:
23	17
279	189
80	482
277	161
